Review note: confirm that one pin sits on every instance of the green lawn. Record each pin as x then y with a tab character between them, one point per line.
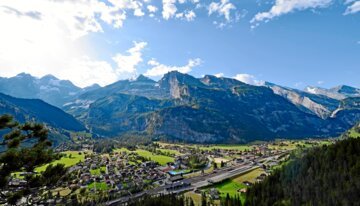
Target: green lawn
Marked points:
68	162
161	159
174	152
98	171
227	147
250	176
353	133
98	186
229	186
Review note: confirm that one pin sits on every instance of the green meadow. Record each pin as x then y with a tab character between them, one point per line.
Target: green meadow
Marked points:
68	161
161	159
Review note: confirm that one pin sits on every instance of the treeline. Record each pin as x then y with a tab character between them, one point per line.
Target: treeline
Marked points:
327	175
130	140
231	201
163	200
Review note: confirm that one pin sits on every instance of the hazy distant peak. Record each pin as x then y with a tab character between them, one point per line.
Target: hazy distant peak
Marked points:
23	74
49	77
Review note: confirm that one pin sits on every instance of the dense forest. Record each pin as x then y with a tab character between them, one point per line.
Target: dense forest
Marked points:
164	200
328	175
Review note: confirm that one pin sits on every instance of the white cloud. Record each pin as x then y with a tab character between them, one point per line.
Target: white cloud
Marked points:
222	8
159	69
169	9
249	79
218	75
152	8
126	63
282	7
134	5
190	15
353	8
187	15
84	72
46	36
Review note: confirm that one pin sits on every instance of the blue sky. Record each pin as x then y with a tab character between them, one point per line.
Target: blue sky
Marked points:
293	43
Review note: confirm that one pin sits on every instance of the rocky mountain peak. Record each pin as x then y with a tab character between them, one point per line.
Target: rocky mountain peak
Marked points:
142	78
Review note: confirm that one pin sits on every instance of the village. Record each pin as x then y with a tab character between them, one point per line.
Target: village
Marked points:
160	168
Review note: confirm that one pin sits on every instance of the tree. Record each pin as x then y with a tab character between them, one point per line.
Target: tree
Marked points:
215	165
191	202
227	200
15	157
203	199
325	175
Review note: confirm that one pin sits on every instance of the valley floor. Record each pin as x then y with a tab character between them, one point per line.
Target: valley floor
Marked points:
164	168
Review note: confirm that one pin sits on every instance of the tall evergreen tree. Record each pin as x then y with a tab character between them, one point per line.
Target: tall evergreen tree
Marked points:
203	199
16	157
327	175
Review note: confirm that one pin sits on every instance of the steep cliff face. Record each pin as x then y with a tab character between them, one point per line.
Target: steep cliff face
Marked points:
339	92
348	111
320	105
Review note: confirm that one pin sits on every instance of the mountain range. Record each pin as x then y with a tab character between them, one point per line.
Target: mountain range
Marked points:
203	110
56	120
48	88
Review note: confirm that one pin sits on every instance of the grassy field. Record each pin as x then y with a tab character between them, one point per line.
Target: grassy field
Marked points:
290	145
353	133
174	152
250	176
98	171
67	161
227	147
98	186
211	147
232	186
161	159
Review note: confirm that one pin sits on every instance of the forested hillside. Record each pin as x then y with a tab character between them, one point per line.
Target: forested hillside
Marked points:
328	175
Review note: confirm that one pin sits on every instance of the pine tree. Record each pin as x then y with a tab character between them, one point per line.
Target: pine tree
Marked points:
203	199
215	165
15	157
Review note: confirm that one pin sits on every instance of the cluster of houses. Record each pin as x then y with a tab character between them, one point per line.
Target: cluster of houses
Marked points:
119	171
